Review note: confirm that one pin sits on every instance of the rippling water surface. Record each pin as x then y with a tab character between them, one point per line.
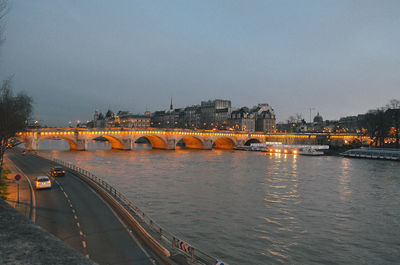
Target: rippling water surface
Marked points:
257	208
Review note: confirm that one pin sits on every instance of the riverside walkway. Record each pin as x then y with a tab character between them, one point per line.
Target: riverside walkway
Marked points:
75	214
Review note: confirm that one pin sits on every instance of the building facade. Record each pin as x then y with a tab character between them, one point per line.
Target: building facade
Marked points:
123	119
242	120
216	114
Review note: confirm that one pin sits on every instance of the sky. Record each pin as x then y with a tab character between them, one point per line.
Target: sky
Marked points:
339	57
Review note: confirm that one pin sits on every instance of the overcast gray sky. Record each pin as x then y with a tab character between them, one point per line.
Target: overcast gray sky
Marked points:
341	57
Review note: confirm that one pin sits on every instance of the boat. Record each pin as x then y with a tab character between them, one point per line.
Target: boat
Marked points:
374	153
242	148
310	152
275	147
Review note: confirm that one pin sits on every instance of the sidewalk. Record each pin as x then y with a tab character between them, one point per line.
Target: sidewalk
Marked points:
25	204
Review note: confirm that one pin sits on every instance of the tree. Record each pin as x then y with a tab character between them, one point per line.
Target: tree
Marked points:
383	122
3	13
14	114
393	104
393	115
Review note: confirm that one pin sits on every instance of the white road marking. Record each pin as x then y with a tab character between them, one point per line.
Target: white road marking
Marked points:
124	225
33	200
65	194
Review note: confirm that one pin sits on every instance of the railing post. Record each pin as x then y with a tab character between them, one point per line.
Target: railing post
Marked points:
151	224
173	243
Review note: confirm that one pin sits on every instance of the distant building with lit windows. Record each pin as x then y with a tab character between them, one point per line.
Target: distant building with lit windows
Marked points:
216	114
123	119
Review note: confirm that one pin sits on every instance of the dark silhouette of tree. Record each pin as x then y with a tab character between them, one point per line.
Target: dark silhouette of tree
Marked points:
3	13
393	116
382	123
14	114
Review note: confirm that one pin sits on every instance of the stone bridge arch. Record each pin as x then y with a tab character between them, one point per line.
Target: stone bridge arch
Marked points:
225	142
192	142
33	143
251	141
116	142
156	141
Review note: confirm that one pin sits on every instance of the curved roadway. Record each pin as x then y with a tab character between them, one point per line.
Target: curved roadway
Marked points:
74	213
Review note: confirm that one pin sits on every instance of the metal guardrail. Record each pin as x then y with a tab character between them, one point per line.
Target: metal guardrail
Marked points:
160	235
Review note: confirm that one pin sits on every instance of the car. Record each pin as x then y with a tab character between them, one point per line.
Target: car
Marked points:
57	172
42	182
24	152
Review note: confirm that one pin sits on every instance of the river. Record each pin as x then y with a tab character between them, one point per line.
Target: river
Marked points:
258	208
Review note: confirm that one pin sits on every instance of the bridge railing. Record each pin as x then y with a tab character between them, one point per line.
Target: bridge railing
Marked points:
169	241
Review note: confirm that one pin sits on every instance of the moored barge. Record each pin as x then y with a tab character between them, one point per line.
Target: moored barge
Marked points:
374	153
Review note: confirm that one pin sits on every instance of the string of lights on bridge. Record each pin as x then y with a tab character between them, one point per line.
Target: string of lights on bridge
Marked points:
59	132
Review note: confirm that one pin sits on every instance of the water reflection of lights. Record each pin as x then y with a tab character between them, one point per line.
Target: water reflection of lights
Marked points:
344	180
281	191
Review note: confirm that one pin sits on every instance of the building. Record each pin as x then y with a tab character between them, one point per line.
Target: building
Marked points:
214	114
191	117
98	120
242	120
265	120
123	119
209	115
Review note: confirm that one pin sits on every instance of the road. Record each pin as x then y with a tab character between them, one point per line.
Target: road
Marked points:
74	213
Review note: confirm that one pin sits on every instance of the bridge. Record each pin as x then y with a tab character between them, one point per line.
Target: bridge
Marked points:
124	139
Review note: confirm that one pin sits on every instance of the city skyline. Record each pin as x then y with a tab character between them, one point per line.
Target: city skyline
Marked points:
339	57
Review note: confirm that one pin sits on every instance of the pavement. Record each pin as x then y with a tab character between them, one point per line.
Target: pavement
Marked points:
21	200
23	242
73	213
